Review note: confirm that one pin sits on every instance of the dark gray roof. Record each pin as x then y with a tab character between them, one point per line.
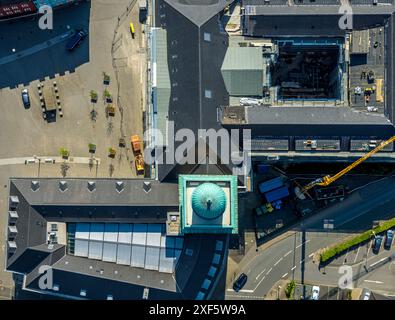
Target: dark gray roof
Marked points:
197	68
72	274
306	121
199	11
105	192
77	204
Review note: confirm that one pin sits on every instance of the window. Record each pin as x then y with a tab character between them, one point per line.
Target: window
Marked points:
207	36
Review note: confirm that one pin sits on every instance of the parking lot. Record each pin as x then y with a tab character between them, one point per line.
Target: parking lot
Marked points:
304	292
27	140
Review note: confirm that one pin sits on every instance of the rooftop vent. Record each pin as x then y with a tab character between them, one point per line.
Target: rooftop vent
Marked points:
63	186
83	293
12	246
147	186
91	186
110	297
55	287
35	185
119	185
14	201
12	215
12	230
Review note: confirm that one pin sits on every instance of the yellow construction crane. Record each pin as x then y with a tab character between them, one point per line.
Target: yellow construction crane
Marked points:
327	180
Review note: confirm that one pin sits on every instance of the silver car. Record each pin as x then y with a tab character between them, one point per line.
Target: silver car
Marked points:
315	293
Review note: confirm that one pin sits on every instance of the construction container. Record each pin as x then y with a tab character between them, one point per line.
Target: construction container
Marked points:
270	185
277	194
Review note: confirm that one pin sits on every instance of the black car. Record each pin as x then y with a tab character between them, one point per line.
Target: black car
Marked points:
75	40
25	98
388	239
240	282
377	244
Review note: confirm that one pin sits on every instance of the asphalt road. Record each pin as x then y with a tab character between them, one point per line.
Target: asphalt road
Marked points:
293	256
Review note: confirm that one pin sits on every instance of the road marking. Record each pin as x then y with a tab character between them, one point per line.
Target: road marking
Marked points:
288	253
355	260
307	241
260	274
381	260
242	290
269	271
369	247
285	274
312	254
247	297
278	262
301	261
293	268
373	281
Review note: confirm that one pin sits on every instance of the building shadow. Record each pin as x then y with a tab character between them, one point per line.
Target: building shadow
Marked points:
28	53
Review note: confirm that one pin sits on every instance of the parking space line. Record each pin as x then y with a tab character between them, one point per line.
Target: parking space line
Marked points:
373	281
290	251
269	271
260	274
285	274
355	260
307	241
301	261
381	260
278	261
294	267
311	254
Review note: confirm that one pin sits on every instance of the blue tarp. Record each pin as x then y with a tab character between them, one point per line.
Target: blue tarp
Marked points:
277	194
263	168
270	185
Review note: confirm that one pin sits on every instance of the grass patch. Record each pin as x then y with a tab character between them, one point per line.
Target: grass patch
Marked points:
343	246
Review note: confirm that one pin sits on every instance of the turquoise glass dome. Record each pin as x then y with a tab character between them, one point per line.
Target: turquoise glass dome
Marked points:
208	201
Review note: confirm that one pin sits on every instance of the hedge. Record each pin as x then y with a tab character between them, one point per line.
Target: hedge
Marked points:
343	246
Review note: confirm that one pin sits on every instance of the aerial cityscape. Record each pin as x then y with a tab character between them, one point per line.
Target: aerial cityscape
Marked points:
224	150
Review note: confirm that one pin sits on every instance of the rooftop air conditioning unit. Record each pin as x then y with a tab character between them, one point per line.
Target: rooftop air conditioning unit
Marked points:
14	201
12	216
63	186
12	246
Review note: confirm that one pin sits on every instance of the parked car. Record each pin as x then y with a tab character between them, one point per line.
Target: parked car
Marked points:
76	39
388	239
366	295
25	98
377	244
240	282
315	293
